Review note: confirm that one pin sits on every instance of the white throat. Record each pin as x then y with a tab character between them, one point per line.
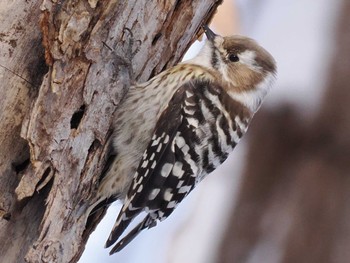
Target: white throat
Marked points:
252	99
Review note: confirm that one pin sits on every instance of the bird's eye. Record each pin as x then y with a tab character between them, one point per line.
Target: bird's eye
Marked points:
233	57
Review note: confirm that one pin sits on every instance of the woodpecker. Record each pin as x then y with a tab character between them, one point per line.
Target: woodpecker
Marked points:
176	128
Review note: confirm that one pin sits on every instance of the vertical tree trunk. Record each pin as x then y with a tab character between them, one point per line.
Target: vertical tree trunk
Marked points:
48	176
294	201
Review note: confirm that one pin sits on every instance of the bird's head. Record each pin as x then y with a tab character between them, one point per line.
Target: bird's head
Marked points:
241	62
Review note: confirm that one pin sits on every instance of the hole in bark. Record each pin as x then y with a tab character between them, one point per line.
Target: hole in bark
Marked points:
22	166
7	216
45	175
77	116
156	38
34	205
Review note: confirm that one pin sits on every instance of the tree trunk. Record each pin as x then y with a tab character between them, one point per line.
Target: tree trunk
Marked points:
63	112
294	200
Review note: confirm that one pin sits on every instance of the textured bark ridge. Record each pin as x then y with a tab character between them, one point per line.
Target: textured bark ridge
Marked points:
63	113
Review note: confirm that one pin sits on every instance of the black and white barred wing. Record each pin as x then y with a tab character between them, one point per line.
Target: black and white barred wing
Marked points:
194	135
150	174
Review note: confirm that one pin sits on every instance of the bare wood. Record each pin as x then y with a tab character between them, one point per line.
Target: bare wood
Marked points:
22	68
68	125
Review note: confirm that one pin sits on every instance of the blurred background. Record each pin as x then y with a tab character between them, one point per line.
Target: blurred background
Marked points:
284	193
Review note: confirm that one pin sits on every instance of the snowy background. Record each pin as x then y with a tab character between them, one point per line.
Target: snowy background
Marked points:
299	34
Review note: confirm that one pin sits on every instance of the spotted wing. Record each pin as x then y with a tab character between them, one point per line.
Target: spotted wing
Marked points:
192	137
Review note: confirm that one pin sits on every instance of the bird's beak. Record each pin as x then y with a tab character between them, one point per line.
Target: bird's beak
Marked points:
210	34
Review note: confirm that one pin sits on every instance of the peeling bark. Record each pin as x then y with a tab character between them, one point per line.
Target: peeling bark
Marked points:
64	116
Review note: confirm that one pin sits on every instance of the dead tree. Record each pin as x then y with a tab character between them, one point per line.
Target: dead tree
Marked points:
59	88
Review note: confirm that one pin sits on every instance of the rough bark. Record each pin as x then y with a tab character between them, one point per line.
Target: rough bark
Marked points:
294	200
63	112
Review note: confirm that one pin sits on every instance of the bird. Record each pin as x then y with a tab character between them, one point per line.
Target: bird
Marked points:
173	130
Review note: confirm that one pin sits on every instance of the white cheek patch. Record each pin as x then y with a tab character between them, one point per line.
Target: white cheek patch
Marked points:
248	58
252	99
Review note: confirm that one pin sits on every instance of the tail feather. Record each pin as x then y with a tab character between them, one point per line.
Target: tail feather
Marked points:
118	230
148	222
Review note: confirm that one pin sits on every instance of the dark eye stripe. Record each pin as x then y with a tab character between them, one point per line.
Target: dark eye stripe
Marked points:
214	59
